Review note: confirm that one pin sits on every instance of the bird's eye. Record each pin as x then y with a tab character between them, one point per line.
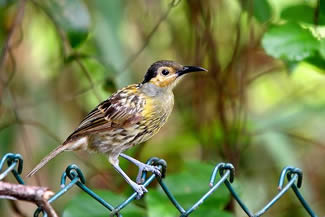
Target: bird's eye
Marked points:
165	72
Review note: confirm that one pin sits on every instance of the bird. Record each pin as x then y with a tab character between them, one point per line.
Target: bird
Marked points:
130	116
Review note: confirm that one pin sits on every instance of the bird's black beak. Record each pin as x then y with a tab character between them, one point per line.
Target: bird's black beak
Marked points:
187	69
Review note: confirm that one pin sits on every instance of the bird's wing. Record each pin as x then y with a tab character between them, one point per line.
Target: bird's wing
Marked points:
122	109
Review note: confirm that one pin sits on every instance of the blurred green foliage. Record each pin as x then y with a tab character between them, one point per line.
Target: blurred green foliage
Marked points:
260	106
188	187
76	207
73	17
261	10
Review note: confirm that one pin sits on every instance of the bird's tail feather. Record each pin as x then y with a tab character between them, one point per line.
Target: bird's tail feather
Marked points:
46	159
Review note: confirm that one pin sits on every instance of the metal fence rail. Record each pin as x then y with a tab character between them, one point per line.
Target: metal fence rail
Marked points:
224	172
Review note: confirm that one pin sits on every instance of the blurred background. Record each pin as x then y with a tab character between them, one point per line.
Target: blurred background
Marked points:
260	107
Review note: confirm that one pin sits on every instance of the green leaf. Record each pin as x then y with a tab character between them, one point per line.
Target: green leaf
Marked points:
302	13
290	42
188	187
159	205
82	205
108	17
316	61
261	9
322	7
322	48
73	17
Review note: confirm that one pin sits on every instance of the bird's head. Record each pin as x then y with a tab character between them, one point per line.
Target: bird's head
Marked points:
166	73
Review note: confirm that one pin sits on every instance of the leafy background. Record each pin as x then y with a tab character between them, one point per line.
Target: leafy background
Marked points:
261	105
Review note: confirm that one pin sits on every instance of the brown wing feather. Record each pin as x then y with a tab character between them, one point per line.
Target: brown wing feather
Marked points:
122	109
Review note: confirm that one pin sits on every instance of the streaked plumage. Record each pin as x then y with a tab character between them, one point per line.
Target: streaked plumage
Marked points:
127	118
130	116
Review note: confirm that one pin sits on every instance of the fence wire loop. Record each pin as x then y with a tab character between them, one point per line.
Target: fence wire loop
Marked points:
221	168
224	171
229	167
16	158
74	171
290	172
15	165
76	177
39	211
154	161
158	162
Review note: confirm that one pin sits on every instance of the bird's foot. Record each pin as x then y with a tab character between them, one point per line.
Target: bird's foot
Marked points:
148	168
139	189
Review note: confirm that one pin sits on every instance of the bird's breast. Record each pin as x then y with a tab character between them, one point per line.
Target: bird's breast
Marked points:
155	114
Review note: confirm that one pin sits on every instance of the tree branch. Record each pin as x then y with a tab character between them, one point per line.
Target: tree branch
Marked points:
35	194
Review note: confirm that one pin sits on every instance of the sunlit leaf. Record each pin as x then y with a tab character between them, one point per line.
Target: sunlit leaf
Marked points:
290	42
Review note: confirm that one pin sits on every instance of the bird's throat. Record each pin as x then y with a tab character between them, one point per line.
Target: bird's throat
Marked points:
152	90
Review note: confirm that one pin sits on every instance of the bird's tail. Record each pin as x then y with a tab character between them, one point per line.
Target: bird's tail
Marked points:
46	159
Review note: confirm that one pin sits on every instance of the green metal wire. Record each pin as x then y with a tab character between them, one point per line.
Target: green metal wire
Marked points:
200	201
15	165
225	172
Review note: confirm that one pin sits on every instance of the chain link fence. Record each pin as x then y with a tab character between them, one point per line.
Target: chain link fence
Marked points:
223	173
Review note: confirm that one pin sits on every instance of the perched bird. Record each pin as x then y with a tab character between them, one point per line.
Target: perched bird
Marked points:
130	116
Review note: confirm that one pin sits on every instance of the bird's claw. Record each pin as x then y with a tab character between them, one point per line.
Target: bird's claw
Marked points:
148	168
140	189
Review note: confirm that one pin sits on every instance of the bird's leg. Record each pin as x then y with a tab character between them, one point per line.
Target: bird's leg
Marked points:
142	167
140	189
